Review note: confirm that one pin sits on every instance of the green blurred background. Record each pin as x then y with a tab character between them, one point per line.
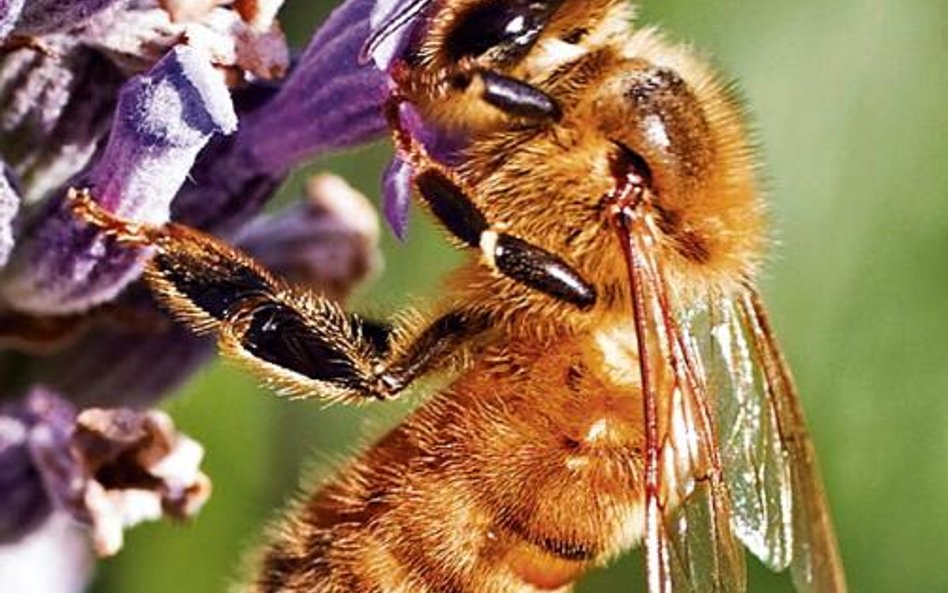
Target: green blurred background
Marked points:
850	99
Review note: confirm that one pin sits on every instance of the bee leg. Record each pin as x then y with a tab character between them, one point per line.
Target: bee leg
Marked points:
517	98
378	333
85	208
310	347
306	344
429	349
515	258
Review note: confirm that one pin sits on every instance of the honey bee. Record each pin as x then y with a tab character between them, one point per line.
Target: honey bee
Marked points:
615	379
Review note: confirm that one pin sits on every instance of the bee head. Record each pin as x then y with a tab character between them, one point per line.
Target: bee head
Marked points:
646	112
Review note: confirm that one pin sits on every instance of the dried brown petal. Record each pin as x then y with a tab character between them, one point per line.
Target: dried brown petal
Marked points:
107	469
141	469
140	37
259	14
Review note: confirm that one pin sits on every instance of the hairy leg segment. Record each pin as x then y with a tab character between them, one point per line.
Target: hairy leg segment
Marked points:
298	341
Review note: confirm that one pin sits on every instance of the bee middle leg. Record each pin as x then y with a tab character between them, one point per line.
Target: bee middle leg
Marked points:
515	258
304	344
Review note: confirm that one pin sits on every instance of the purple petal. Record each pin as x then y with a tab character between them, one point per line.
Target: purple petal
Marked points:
9	206
110	368
23	500
41	17
393	23
398	176
9	14
164	119
396	193
330	100
328	242
225	190
55	109
24	504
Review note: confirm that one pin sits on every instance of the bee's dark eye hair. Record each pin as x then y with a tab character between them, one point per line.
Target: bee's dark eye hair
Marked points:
576	35
626	162
507	27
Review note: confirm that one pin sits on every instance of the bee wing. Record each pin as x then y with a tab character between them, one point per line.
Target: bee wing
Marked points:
815	565
779	507
757	468
690	546
727	444
701	550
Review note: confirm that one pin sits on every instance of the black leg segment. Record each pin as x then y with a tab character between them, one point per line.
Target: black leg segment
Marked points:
542	271
324	345
517	259
449	204
326	349
518	98
216	286
377	333
437	342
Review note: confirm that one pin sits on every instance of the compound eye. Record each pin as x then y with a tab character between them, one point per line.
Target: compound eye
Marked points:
504	29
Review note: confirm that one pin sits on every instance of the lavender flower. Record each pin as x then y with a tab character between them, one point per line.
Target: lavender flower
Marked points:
180	109
330	101
42	17
163	120
333	100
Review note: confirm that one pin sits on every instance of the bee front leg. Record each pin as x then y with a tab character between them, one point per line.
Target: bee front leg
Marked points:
311	348
302	343
515	258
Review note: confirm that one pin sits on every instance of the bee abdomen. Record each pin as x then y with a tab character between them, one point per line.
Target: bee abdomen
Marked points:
505	484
